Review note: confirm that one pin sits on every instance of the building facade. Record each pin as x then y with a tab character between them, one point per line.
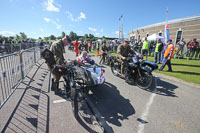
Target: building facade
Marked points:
187	28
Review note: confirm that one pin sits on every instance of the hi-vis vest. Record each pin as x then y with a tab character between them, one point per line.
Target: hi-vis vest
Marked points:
157	46
145	45
168	51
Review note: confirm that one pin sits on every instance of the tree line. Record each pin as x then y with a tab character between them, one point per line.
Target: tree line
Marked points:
72	35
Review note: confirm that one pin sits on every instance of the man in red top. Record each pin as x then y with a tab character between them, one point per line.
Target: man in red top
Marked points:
167	56
76	44
194	46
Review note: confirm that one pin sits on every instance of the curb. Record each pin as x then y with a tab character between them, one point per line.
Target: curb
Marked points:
98	116
176	80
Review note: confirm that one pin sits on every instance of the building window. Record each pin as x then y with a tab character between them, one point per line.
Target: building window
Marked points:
179	36
160	34
147	34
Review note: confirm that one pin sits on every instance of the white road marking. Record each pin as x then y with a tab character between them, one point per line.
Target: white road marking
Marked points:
147	107
59	101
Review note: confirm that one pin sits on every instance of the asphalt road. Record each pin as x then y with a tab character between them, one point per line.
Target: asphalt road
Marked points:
169	106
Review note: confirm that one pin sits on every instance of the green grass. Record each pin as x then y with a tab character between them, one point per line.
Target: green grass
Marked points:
187	70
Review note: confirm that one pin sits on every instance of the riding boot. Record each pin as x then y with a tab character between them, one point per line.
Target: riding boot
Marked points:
52	85
56	88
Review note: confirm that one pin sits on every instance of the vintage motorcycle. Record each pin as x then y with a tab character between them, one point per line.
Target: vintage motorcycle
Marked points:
137	71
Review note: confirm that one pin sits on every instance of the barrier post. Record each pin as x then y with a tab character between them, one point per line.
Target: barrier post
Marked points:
21	65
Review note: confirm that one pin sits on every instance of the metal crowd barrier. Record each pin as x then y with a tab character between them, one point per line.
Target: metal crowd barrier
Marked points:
13	68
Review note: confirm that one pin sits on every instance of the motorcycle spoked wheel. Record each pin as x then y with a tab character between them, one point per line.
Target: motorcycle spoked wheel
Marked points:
74	102
145	81
114	70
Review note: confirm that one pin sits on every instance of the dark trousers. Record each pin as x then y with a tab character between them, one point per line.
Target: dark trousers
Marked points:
197	53
145	52
157	57
180	49
168	63
193	50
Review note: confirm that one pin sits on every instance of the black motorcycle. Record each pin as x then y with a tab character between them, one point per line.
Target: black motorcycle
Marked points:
108	59
137	71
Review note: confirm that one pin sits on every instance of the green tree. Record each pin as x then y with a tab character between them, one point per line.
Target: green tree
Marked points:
46	38
52	37
73	35
17	37
23	35
59	37
63	34
86	36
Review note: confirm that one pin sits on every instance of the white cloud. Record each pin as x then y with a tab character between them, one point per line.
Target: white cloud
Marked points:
47	20
116	32
97	34
82	16
7	33
42	30
92	29
70	16
49	6
58	26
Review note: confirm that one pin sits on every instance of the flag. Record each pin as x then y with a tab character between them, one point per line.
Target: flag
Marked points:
166	32
121	17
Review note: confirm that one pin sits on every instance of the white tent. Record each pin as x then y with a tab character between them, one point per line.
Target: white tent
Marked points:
154	37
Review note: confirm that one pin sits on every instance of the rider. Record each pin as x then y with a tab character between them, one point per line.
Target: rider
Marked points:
84	58
104	50
122	53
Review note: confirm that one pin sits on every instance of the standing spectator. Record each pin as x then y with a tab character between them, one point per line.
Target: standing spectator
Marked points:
115	45
90	45
167	56
194	44
150	47
76	44
145	48
103	50
140	46
154	46
188	45
181	45
197	51
158	50
81	47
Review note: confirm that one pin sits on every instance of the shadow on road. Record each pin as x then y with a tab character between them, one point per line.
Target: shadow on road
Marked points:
31	114
112	106
164	88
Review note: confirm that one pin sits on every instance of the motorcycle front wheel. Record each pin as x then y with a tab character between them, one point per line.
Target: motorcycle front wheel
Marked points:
114	70
145	80
74	101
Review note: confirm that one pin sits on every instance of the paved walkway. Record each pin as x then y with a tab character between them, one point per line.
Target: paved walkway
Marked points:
34	108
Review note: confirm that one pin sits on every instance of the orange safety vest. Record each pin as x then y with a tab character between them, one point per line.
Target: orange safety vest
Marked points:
168	51
89	44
